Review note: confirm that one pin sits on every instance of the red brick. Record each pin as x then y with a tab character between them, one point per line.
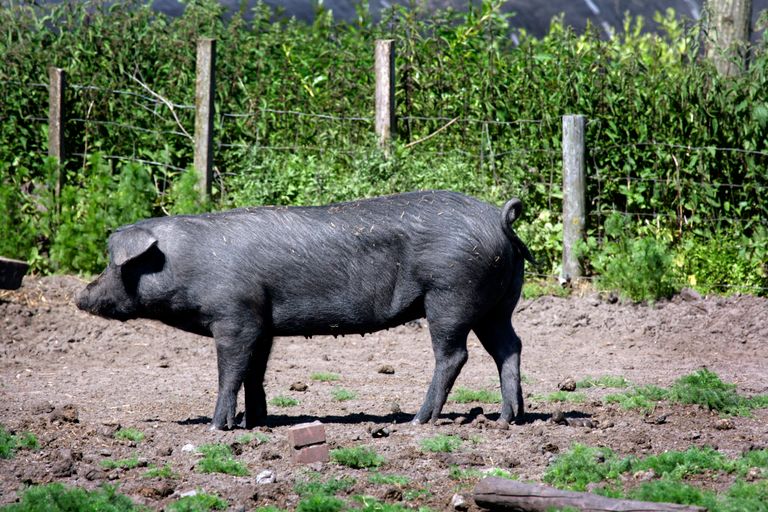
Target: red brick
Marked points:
310	454
306	434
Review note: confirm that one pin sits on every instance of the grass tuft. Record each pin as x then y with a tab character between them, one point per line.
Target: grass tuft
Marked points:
441	443
9	443
200	502
382	479
606	381
342	395
321	503
331	487
284	401
163	472
325	377
130	434
357	457
129	463
484	396
218	458
56	497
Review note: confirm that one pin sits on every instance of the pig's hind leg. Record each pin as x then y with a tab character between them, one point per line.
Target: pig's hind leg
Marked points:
449	344
236	341
502	343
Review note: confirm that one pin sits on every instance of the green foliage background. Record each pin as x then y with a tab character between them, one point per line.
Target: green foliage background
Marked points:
294	126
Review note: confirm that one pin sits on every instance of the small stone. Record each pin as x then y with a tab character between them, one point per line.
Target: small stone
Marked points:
549	448
644	476
459	503
725	424
580	422
188	448
395	408
165	451
189	493
386	369
108	429
95	474
754	474
568	384
380	432
298	386
265	477
460	420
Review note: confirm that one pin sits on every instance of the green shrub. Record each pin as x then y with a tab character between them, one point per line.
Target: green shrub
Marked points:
639	268
704	387
218	458
582	465
10	443
56	497
357	457
249	437
441	443
643	397
382	479
164	472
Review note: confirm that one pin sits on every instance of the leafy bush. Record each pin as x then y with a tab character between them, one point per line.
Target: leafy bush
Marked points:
9	443
639	268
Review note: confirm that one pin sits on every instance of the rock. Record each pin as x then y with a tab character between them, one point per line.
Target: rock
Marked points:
386	369
549	448
395	408
725	424
94	473
568	384
298	386
644	476
689	295
64	465
108	429
186	494
188	448
754	474
164	451
380	432
265	477
458	502
580	422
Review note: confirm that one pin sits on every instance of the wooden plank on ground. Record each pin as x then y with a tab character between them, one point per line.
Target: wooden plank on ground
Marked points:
11	272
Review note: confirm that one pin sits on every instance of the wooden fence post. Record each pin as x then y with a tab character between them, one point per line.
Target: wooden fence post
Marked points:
384	63
205	91
57	79
728	28
574	197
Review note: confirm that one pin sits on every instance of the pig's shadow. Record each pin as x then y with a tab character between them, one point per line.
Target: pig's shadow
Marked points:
281	420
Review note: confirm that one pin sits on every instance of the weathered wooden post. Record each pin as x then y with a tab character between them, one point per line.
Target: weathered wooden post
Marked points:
727	30
574	197
57	79
384	63
205	92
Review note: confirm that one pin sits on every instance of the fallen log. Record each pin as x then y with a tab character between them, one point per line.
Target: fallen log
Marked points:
11	272
502	494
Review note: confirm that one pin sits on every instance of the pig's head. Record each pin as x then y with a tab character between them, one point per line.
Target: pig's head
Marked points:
133	252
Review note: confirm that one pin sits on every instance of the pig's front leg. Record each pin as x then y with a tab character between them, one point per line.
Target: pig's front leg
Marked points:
255	398
236	339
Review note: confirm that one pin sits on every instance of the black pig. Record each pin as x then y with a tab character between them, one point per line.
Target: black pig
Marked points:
247	275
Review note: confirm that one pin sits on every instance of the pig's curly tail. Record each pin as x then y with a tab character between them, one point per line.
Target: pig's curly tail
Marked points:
511	211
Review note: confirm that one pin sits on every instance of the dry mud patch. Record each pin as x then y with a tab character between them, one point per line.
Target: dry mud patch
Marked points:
73	379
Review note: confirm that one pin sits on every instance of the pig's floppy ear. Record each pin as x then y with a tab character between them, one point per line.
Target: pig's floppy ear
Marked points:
129	243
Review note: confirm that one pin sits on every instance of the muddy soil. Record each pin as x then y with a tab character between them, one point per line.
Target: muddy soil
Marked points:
73	379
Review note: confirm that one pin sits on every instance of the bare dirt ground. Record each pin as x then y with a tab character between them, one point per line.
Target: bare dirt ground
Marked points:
72	379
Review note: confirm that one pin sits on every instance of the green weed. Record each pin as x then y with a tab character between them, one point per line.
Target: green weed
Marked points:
129	463
441	443
643	397
465	396
58	498
330	487
321	503
342	395
249	437
382	479
606	381
705	388
562	396
357	457
284	401
130	434
164	472
200	502
371	504
218	458
9	443
464	474
582	465
325	377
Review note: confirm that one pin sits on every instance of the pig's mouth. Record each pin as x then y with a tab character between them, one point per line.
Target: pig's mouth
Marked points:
109	310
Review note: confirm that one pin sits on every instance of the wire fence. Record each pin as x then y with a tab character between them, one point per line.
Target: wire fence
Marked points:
157	131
